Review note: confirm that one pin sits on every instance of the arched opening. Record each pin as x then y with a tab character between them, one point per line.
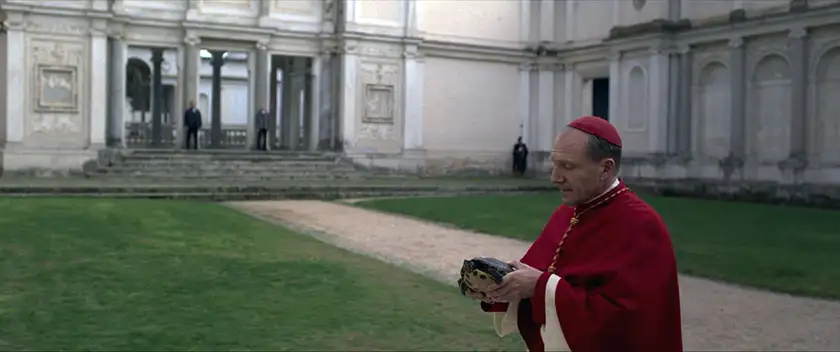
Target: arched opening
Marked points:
713	112
828	106
637	100
768	132
138	87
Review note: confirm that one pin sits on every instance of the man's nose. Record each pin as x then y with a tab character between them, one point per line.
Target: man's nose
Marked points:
557	175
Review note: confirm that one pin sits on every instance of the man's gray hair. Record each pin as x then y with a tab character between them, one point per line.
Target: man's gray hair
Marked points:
599	149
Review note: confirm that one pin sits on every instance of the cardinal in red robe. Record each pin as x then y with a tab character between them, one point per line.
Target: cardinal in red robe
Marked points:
602	275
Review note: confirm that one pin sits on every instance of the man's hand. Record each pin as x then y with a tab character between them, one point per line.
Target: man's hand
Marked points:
516	285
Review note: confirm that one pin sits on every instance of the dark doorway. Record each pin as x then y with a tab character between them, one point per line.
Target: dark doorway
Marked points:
601	98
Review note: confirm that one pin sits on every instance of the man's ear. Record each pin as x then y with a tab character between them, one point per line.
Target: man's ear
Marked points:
608	166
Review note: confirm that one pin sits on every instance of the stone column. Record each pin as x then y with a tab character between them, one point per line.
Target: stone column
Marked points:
116	120
261	84
737	64
413	126
313	103
272	108
799	114
216	123
157	99
297	86
286	104
684	106
15	113
98	88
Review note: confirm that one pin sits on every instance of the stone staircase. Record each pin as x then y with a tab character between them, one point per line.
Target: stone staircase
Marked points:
227	164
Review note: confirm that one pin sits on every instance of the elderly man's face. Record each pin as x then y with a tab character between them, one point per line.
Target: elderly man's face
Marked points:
578	177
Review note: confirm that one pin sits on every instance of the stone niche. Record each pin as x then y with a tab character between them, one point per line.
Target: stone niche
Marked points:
56	108
380	122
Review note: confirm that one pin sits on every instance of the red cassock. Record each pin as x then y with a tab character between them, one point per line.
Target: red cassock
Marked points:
615	283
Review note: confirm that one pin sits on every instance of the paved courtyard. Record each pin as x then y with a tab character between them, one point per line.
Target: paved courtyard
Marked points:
715	316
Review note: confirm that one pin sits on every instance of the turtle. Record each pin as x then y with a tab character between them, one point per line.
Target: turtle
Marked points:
479	273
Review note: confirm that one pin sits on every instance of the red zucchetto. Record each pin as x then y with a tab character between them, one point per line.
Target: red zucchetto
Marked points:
598	127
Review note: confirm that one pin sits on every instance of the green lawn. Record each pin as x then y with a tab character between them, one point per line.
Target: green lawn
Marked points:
786	249
98	274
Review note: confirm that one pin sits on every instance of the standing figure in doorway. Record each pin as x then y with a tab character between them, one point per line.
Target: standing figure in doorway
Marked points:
520	157
192	121
261	125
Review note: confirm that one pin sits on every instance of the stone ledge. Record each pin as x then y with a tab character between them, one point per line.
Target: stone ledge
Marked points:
224	193
813	195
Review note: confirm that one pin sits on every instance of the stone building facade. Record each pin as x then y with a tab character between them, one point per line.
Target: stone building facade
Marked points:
740	89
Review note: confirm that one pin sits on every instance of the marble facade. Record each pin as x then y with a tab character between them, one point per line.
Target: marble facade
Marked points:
735	90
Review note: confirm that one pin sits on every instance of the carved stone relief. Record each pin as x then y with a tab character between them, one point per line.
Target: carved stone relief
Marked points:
379	103
53	26
379	50
379	86
297	7
57	89
57	78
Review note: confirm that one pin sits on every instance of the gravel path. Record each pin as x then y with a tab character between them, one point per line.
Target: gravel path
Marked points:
715	316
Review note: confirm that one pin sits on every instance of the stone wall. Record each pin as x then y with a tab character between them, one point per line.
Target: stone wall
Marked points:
698	89
55	98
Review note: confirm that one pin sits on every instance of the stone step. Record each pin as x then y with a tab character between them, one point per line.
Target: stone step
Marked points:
232	163
244	157
232	178
230	168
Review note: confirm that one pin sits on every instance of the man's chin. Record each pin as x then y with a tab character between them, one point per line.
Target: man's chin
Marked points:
568	199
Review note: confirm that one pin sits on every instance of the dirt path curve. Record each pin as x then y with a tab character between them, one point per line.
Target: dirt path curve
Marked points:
715	316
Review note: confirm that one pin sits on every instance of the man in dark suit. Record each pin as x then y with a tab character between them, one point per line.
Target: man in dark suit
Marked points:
192	121
261	125
520	157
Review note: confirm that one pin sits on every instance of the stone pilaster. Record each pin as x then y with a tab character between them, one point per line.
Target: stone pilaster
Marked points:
674	79
658	104
262	78
544	115
157	98
192	64
16	87
525	102
799	115
548	20
615	88
117	93
413	126
98	88
684	106
737	64
216	123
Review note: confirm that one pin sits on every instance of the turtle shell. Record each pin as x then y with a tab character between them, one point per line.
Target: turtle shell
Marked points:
479	274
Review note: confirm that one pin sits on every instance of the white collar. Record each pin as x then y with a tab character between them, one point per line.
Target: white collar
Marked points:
614	185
